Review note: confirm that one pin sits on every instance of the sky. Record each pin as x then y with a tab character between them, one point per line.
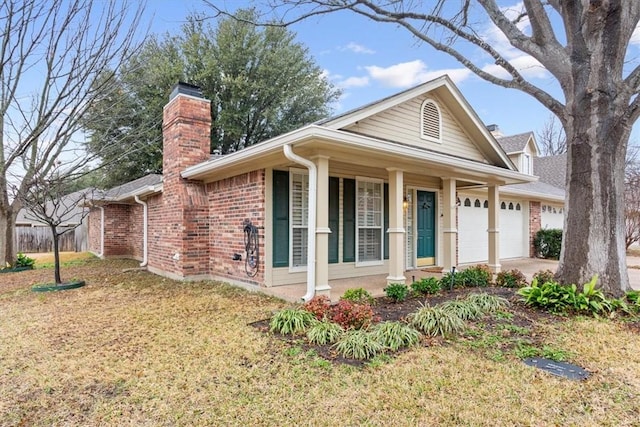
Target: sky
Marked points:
369	61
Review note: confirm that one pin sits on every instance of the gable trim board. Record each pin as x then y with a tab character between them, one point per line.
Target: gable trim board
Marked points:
196	213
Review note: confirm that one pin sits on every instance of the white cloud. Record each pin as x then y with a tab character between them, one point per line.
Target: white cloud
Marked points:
354	82
528	66
358	48
635	37
408	74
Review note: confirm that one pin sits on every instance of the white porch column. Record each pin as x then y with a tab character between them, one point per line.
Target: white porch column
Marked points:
322	227
450	229
396	227
494	228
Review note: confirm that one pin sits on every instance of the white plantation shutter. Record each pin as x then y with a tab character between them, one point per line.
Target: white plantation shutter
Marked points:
430	120
369	221
299	218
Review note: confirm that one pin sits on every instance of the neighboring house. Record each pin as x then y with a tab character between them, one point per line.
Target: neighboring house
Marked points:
414	180
34	235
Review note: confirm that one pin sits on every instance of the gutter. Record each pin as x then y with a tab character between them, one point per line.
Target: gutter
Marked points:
311	222
145	247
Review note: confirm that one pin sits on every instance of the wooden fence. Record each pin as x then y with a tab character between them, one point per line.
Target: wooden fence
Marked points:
39	239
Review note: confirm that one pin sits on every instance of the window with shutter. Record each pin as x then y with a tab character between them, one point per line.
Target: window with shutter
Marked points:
299	189
431	121
369	221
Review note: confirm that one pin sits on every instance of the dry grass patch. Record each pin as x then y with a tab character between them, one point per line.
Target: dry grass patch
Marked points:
136	349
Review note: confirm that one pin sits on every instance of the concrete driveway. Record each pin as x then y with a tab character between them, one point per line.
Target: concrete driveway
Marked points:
375	284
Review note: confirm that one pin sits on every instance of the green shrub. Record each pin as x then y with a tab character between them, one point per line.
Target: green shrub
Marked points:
633	297
291	321
465	310
478	275
488	303
550	296
324	332
435	321
544	276
394	335
426	285
397	291
511	279
24	261
358	295
350	315
591	300
319	306
358	344
451	280
547	243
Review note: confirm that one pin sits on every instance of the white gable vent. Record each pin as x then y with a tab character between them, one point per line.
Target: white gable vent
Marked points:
430	120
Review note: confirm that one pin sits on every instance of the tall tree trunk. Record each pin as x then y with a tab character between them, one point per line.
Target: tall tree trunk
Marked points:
7	231
56	254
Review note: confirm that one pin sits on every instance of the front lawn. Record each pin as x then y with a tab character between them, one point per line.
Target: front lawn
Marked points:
131	348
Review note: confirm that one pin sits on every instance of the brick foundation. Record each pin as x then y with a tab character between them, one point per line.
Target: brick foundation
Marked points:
535	224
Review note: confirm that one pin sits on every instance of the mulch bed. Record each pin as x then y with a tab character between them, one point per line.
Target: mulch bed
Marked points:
388	310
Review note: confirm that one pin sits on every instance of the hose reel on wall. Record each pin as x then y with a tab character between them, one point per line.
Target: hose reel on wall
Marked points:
252	248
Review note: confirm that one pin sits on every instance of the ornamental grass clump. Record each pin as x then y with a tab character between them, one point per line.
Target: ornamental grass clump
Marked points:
359	344
292	321
435	320
466	310
324	332
488	303
395	335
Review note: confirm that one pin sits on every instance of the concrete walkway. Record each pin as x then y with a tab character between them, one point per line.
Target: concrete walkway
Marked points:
375	284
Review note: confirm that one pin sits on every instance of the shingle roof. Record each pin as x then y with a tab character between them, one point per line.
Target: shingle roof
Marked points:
539	188
551	169
132	186
514	143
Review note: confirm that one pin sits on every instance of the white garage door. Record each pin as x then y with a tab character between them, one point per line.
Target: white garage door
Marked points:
473	241
552	216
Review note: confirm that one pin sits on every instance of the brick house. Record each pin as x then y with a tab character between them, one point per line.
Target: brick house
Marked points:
410	181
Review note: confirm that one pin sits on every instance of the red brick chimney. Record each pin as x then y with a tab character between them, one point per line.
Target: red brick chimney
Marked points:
182	241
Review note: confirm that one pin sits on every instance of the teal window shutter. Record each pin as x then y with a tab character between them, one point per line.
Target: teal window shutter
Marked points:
334	218
349	220
280	218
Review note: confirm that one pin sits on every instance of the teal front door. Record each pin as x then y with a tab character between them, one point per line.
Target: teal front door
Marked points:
426	228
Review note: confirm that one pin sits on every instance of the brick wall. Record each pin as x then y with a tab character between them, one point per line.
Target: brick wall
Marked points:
231	201
535	224
136	231
94	227
117	231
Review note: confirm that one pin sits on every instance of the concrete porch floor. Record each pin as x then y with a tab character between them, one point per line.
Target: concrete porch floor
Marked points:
375	284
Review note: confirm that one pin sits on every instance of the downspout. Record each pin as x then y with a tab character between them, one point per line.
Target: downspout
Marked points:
144	231
311	226
101	254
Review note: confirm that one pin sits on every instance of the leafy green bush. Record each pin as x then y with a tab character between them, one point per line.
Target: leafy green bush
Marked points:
319	305
358	344
426	285
291	321
547	243
350	315
435	321
452	280
465	310
591	300
551	296
397	291
324	332
511	279
478	275
544	276
488	303
358	295
394	335
24	261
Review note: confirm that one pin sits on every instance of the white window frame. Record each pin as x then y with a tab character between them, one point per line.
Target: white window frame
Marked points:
359	226
526	164
293	172
422	134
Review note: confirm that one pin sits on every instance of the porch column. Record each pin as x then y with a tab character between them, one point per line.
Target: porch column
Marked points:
396	227
494	230
322	227
449	224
